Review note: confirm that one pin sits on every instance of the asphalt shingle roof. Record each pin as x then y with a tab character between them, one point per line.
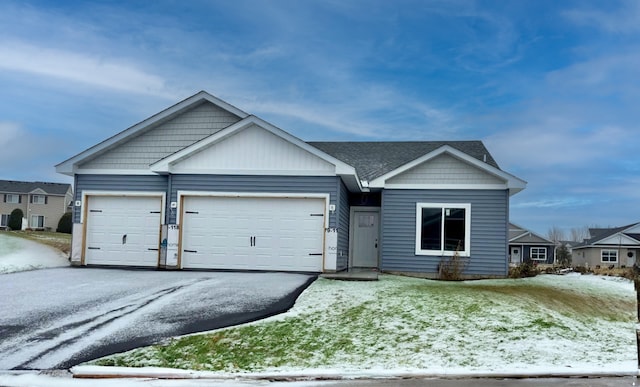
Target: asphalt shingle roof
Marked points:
374	159
10	186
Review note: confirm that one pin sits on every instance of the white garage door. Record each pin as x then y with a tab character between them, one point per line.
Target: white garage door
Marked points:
253	233
123	230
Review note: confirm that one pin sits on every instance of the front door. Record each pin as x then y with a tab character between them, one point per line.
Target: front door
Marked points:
515	255
366	233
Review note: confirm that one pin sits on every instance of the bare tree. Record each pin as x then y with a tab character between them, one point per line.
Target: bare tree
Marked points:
578	234
556	234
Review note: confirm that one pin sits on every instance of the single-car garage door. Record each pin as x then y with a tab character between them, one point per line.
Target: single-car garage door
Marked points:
123	230
252	233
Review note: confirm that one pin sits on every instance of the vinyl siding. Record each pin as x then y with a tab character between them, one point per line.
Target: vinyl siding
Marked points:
242	183
445	169
151	183
165	139
526	254
489	224
52	211
343	227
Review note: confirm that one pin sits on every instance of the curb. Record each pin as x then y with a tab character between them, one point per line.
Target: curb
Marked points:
100	372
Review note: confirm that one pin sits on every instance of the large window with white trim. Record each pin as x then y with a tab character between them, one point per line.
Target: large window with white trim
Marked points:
4	222
12	198
609	255
443	228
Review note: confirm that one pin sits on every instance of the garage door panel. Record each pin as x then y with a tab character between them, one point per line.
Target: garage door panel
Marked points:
283	229
123	230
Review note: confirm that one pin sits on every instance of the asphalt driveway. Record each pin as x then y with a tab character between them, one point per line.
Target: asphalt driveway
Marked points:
57	318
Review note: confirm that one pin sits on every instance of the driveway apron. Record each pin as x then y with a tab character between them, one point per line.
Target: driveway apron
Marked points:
57	318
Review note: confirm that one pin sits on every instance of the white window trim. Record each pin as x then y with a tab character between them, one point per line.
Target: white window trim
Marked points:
467	229
17	197
6	217
609	251
31	221
538	249
38	196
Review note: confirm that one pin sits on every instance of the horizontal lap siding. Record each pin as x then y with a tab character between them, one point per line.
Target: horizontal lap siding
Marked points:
489	219
151	183
256	184
343	228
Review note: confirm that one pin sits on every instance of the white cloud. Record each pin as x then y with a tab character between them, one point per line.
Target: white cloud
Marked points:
75	67
621	20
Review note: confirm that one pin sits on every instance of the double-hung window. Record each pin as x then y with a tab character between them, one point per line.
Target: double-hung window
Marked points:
37	221
443	229
12	198
38	199
4	222
539	253
609	255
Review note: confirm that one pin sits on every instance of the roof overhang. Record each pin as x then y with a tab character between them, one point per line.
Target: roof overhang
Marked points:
69	166
511	182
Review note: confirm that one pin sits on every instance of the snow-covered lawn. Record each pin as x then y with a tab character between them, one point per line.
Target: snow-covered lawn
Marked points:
402	325
19	254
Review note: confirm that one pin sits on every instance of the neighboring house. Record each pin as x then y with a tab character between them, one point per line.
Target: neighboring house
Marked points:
527	246
41	203
617	247
233	191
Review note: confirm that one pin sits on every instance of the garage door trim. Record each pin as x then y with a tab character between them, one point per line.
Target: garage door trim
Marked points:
86	195
182	194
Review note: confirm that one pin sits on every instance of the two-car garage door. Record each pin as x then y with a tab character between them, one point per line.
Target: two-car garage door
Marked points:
247	233
252	233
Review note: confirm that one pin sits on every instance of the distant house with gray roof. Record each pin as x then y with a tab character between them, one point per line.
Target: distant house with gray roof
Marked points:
41	203
205	185
527	246
607	247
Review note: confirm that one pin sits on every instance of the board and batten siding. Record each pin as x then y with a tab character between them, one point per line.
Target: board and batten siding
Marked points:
256	184
139	183
343	227
489	230
165	139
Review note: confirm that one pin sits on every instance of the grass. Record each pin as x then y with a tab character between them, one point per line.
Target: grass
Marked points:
409	323
57	240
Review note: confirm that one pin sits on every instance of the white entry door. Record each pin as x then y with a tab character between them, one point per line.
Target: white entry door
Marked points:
123	230
252	233
366	234
515	255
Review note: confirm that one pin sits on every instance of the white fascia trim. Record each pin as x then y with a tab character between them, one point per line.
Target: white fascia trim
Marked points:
448	186
68	166
512	182
164	165
527	232
214	194
137	172
268	172
153	194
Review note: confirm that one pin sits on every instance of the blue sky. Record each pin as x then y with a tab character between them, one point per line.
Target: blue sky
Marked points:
551	87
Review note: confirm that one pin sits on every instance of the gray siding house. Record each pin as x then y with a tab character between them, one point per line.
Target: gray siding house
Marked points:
609	247
204	185
527	246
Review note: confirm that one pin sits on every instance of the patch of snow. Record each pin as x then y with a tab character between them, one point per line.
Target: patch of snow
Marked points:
18	254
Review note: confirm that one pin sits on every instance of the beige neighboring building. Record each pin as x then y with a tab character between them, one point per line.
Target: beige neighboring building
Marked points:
617	247
41	203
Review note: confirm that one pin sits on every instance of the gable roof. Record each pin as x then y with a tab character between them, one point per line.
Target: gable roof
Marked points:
68	166
598	235
25	187
519	234
374	159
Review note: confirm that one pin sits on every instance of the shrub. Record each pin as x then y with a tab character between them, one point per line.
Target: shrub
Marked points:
65	223
450	269
525	269
581	269
15	219
563	256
